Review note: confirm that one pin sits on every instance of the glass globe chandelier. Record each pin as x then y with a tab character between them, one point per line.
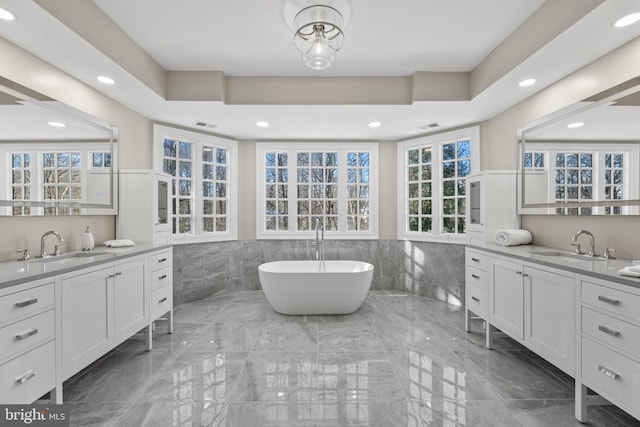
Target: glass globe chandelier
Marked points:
318	35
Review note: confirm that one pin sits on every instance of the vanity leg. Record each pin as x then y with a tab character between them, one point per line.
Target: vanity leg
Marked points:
489	336
56	394
466	320
150	336
581	402
170	320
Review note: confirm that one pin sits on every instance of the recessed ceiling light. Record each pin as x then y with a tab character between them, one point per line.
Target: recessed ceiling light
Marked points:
575	125
527	82
632	18
375	124
106	80
57	124
5	15
262	124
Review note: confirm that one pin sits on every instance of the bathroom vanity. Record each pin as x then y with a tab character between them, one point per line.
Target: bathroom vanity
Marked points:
575	312
59	315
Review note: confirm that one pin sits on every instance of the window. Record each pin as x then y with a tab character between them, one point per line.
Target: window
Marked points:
300	185
432	175
204	190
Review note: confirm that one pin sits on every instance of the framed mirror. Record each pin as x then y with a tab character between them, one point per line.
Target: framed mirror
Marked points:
56	160
584	159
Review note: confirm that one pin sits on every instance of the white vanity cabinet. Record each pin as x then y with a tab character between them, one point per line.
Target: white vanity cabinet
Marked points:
161	266
102	307
476	295
608	345
534	305
28	342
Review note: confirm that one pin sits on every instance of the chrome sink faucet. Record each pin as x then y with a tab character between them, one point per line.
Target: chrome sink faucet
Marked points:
319	241
56	251
592	243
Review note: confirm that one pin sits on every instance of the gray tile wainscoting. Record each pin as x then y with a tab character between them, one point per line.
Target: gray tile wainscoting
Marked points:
435	270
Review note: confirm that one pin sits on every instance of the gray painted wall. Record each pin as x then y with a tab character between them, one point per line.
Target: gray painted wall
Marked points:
430	269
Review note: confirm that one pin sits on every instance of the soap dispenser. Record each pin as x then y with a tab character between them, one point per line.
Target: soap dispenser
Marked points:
87	240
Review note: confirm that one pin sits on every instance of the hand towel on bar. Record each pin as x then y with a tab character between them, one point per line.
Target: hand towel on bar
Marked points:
513	237
119	243
630	270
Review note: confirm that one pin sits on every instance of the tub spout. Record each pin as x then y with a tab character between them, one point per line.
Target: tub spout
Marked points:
319	241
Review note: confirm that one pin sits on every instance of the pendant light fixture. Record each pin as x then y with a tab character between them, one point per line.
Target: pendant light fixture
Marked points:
318	35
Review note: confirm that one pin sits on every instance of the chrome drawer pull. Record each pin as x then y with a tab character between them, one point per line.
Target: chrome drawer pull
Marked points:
475	276
608	372
162	260
26	334
608	300
475	259
475	299
26	302
608	330
114	275
162	300
164	276
518	272
26	377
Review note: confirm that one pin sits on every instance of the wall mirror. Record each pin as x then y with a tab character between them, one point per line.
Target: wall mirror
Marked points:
583	159
56	160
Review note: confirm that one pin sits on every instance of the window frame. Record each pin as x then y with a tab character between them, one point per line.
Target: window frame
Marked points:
342	148
199	140
436	142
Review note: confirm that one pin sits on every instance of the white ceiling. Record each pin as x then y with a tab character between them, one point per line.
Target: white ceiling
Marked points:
254	38
383	38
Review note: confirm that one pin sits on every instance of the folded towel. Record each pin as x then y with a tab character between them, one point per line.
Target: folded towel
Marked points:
513	237
120	243
630	270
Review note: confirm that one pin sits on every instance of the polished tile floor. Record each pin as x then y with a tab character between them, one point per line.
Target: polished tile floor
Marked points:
401	360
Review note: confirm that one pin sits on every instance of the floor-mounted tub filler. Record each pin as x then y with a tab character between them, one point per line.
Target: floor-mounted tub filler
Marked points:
315	287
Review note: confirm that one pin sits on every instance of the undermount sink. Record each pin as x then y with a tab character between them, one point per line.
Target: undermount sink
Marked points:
68	257
568	255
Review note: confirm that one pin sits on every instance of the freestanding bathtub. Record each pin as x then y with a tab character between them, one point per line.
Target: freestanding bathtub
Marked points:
315	287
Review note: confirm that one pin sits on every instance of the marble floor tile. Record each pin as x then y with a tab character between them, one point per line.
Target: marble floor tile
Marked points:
358	376
289	336
278	376
401	360
358	336
225	336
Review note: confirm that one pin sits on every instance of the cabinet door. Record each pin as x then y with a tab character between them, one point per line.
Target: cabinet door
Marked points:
506	294
131	292
87	320
549	316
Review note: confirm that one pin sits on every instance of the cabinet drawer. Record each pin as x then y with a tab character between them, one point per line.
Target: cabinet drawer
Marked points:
161	301
611	300
476	259
160	260
619	334
476	299
26	378
476	277
23	303
161	278
17	337
611	373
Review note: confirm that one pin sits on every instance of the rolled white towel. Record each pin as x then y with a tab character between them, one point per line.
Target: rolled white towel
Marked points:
119	243
630	270
513	237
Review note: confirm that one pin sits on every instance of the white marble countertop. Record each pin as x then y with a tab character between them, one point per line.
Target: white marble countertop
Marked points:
16	272
595	267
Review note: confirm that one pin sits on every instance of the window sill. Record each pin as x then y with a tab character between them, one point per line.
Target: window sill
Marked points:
201	239
455	240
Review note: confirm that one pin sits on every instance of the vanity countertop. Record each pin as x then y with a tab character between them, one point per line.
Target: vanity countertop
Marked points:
599	268
16	272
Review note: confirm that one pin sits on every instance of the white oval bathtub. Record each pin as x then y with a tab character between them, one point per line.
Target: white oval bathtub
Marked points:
315	287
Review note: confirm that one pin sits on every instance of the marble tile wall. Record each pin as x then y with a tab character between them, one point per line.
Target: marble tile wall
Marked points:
429	269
